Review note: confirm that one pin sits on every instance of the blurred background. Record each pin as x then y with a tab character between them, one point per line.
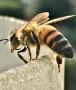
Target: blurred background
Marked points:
26	9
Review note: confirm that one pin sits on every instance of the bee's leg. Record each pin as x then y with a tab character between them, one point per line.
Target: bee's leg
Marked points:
59	61
38	44
18	53
29	51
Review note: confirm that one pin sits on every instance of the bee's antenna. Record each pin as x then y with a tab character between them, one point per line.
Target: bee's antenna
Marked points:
6	40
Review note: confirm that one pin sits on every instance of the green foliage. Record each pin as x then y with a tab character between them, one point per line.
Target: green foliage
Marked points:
9	3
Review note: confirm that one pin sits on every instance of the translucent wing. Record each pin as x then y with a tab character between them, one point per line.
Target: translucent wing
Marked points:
40	18
59	19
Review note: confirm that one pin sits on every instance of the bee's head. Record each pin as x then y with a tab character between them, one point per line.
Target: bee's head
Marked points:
14	42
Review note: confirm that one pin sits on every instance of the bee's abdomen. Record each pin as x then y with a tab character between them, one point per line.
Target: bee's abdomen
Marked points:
57	42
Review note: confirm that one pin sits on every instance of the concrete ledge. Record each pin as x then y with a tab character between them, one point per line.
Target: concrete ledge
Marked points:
41	74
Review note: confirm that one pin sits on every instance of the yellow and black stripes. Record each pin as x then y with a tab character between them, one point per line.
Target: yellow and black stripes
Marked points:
57	42
48	35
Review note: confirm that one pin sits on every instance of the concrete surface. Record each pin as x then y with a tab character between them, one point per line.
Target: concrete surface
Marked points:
41	74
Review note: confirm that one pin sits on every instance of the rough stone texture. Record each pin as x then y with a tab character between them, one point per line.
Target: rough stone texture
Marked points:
41	74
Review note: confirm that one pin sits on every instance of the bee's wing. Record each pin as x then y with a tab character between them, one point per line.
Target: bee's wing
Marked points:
59	19
40	18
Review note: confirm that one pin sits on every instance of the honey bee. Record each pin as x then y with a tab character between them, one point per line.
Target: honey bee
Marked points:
39	30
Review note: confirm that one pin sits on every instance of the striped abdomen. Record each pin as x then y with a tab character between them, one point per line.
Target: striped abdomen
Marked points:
56	41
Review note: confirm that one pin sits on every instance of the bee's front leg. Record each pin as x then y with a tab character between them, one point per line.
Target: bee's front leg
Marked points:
18	53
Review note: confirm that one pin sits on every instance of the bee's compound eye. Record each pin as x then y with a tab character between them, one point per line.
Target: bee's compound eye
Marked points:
14	42
12	37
